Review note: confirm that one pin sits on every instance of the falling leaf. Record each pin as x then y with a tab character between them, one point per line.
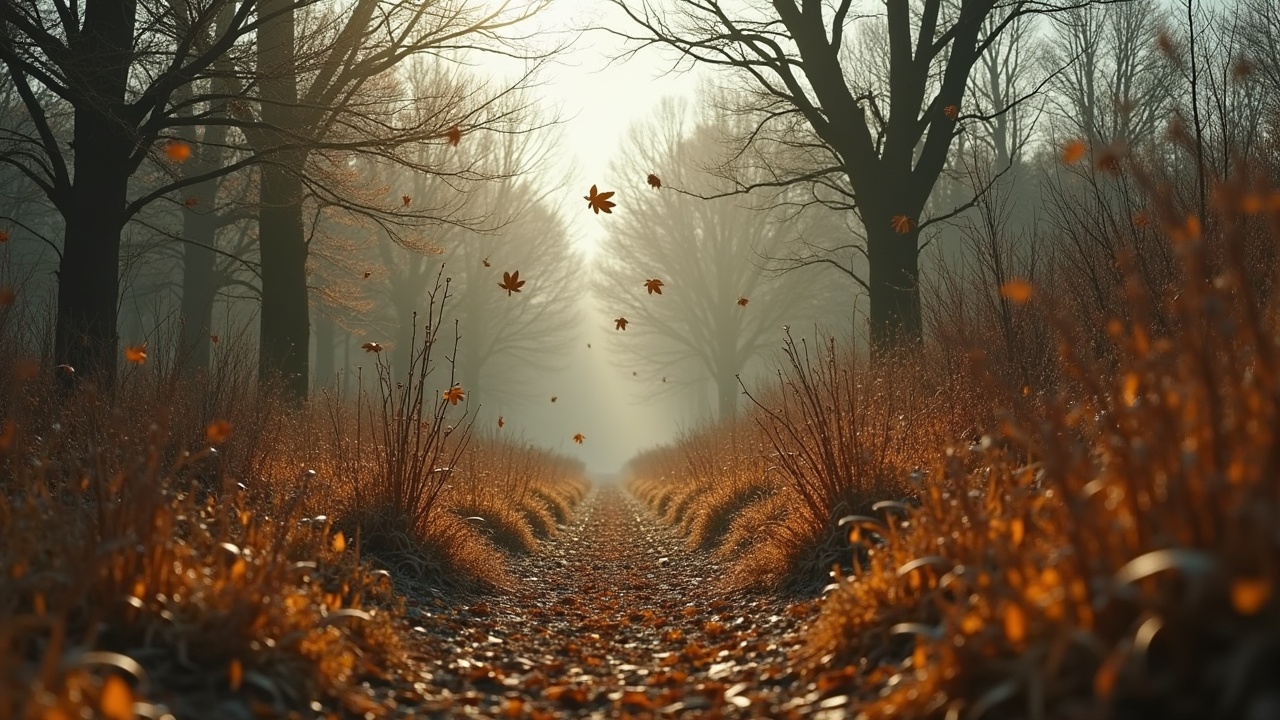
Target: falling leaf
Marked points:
4	236
620	323
177	151
501	422
653	285
235	675
1017	291
372	347
486	262
218	432
1249	595
116	701
7	296
554	398
1165	43
664	378
599	201
579	438
902	224
65	369
1072	152
191	201
742	302
136	354
213	339
511	282
339	542
406	199
951	111
654	181
1141	219
454	394
454	135
367	273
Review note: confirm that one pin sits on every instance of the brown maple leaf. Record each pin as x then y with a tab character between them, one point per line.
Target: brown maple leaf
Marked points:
620	323
406	199
486	262
742	302
4	236
454	134
555	398
136	354
902	224
501	422
511	282
653	285
579	438
951	111
454	395
654	181
191	202
367	273
599	201
372	347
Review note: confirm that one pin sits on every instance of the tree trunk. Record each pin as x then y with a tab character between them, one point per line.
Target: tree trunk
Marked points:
199	230
727	391
285	322
285	330
894	274
85	336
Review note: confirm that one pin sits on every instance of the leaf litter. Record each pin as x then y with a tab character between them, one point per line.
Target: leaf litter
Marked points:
613	618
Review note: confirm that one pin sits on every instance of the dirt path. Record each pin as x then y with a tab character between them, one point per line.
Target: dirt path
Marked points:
614	619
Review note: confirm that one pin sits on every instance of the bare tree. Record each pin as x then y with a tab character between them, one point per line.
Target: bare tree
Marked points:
1114	86
719	308
886	136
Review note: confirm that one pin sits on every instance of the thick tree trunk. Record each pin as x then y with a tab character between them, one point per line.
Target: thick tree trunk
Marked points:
285	330
285	323
89	274
85	336
894	276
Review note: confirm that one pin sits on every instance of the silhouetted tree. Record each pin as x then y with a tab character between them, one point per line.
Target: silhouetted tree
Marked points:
877	147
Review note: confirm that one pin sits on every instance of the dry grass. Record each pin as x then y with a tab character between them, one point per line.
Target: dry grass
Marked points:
1105	547
186	544
1114	552
828	440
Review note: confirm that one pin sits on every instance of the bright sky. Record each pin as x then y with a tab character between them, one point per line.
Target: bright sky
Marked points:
598	100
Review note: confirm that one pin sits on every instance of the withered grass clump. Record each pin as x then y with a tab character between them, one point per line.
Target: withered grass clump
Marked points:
126	580
189	545
1111	550
829	439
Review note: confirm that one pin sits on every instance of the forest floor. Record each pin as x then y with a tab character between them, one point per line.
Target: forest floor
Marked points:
612	618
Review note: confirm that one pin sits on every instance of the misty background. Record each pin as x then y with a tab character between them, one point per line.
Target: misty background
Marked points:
737	269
